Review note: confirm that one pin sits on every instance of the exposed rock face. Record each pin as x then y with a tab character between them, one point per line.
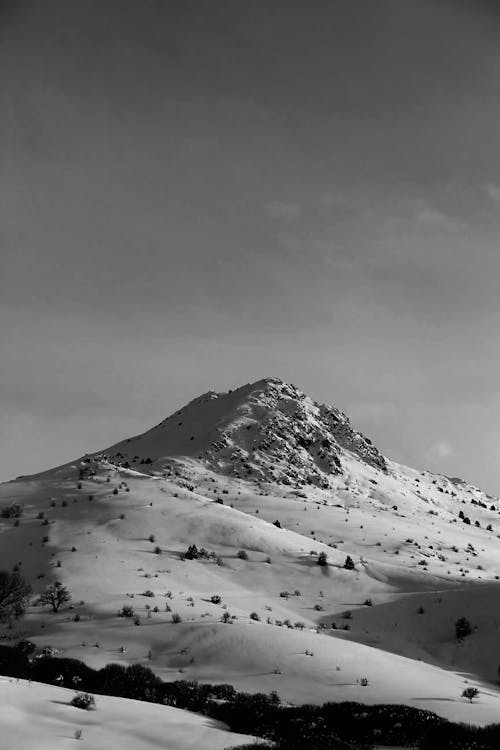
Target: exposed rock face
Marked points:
267	431
281	434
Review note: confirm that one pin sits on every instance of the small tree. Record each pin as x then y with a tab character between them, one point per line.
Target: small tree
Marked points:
55	595
322	560
349	565
192	552
462	628
470	693
14	594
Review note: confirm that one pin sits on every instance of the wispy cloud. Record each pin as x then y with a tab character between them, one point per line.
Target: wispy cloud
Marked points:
439	450
432	217
492	191
286	210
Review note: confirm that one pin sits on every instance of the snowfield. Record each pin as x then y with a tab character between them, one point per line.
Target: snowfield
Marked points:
40	716
266	472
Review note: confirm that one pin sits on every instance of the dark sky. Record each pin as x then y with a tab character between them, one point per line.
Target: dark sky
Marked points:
194	195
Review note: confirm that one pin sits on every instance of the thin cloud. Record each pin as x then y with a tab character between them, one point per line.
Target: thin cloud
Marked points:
440	450
493	192
282	210
436	219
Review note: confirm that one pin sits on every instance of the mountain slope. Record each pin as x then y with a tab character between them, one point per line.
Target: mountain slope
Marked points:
267	431
268	481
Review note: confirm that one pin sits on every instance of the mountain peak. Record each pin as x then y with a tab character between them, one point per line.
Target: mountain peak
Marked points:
266	431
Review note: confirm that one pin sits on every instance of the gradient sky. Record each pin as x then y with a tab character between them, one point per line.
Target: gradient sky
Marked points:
198	194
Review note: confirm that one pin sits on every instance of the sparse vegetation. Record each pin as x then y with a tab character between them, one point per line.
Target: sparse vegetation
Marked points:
463	628
126	611
322	559
470	693
14	594
84	701
12	511
349	564
56	595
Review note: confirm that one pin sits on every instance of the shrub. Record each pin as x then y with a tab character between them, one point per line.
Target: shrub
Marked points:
242	555
463	628
322	559
148	592
14	594
13	663
176	618
152	538
226	617
470	693
26	647
254	616
215	599
192	552
84	701
126	611
349	564
55	595
12	511
157	550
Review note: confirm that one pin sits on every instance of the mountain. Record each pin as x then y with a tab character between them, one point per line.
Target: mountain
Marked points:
257	483
267	431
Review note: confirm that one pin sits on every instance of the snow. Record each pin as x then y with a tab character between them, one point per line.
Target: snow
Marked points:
389	518
39	716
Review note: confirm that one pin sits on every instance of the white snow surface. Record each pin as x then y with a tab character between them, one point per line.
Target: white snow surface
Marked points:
218	474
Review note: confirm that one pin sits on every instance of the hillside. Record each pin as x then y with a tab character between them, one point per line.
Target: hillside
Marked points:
262	480
39	716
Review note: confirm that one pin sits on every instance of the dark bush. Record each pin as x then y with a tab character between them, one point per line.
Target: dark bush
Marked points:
14	594
463	628
349	564
192	552
26	647
322	559
73	671
84	701
12	511
14	663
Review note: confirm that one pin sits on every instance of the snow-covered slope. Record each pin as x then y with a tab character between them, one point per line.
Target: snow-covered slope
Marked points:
40	717
264	479
266	431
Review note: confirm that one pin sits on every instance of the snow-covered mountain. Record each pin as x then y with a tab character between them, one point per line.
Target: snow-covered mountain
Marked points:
263	480
267	431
